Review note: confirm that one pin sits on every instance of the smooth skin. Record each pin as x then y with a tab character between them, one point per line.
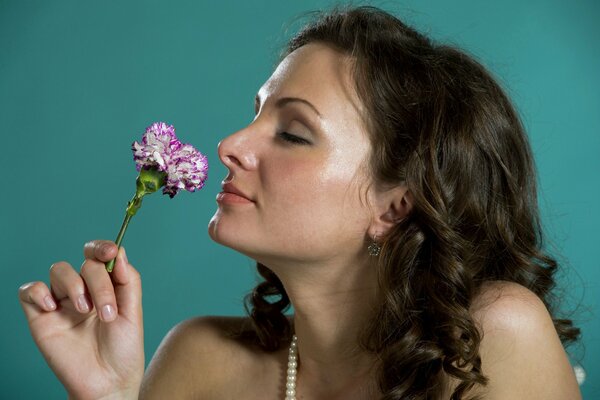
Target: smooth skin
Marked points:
310	222
95	354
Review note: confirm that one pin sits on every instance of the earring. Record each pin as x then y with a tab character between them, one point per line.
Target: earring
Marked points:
374	248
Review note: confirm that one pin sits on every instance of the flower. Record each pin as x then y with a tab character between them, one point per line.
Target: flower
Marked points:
186	167
162	161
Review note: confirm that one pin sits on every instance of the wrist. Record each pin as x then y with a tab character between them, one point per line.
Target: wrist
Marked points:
120	395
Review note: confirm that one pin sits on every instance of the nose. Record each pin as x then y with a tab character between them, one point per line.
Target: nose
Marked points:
237	151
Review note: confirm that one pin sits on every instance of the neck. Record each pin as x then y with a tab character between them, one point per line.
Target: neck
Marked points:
333	302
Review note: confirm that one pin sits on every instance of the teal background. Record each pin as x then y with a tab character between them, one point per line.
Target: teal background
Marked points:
80	80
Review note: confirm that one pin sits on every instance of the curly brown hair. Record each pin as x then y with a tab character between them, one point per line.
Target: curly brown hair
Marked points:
441	125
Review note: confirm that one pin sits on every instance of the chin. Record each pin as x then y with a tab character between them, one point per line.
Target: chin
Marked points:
215	232
242	245
232	238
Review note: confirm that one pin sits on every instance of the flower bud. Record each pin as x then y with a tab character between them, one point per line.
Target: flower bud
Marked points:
149	181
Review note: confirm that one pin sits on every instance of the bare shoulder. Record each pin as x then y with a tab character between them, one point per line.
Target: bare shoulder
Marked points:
196	359
520	349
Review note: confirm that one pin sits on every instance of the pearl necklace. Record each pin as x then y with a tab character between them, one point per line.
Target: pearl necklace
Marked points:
292	370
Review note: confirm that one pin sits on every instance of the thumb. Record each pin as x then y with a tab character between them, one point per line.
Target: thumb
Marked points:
128	287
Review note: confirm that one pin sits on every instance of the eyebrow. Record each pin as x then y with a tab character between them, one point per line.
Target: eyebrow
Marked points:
286	100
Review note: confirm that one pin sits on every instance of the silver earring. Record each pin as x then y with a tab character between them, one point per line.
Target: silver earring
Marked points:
374	248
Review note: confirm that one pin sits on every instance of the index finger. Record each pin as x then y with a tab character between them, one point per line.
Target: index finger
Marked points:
101	250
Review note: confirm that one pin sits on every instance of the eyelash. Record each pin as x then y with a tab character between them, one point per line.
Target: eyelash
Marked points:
292	138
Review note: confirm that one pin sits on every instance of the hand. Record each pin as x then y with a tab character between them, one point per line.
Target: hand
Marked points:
89	325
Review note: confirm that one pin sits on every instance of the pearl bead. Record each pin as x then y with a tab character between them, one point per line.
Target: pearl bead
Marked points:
290	393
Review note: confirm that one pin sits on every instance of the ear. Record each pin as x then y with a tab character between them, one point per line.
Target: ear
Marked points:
391	207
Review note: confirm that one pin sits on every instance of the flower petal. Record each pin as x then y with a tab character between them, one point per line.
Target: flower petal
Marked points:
185	166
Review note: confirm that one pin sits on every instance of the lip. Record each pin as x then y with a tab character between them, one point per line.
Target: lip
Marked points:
231	193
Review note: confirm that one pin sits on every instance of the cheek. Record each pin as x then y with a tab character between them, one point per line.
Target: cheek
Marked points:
293	186
314	202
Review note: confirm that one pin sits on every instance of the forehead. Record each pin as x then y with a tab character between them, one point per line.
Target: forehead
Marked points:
319	74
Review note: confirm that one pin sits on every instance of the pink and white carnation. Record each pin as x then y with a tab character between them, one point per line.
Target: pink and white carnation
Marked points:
162	161
186	167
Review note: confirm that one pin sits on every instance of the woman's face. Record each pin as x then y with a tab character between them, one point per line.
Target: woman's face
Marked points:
301	161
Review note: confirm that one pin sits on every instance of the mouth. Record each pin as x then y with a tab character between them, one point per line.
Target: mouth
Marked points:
232	195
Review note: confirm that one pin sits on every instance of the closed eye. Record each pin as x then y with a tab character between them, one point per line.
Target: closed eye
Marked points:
292	138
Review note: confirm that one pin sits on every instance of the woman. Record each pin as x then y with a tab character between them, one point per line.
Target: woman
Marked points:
386	189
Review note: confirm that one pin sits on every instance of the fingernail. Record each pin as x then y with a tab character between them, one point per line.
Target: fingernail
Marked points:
82	304
108	313
106	248
124	256
49	302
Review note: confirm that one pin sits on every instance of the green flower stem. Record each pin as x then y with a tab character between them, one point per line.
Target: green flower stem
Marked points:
148	181
132	207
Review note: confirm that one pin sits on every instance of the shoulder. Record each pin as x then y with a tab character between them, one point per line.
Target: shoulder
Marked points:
196	351
520	349
509	306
